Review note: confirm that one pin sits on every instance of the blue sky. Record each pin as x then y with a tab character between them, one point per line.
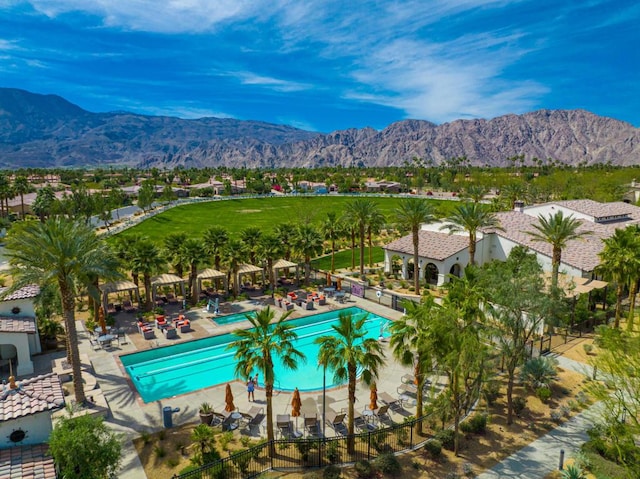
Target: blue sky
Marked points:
327	65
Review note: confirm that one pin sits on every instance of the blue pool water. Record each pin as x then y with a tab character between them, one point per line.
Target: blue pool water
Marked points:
173	370
232	318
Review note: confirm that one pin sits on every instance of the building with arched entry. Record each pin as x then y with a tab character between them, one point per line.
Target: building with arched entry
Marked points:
442	254
19	338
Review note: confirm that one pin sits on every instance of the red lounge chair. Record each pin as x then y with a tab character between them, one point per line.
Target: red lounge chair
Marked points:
147	332
161	322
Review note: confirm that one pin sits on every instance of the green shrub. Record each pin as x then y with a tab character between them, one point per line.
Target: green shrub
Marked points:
387	463
332	452
173	462
433	448
190	468
544	394
588	348
446	438
477	424
519	403
225	439
556	416
364	469
491	392
573	472
539	372
159	451
331	472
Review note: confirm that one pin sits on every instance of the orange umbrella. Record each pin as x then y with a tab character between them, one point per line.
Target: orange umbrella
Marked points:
328	279
101	320
373	397
296	403
228	399
339	284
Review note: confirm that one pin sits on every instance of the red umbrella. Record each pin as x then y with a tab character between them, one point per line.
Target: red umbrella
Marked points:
228	399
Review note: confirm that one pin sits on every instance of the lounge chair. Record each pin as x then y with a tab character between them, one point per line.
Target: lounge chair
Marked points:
335	420
308	305
128	307
170	332
161	322
411	379
382	414
321	300
111	309
311	426
283	422
184	325
254	418
394	404
361	424
410	389
287	306
171	298
147	332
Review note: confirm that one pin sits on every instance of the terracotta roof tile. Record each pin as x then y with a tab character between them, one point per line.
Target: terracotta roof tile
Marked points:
15	324
27	462
600	210
41	393
438	246
29	291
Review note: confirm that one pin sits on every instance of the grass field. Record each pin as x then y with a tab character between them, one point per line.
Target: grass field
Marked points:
265	213
343	259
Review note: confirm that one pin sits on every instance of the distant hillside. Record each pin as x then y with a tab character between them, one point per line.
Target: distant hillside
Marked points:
48	131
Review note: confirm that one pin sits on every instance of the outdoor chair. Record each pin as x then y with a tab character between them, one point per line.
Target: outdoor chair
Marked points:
308	305
111	309
335	420
409	388
283	422
311	426
122	338
382	414
128	307
394	404
147	332
171	298
361	424
95	345
254	418
170	332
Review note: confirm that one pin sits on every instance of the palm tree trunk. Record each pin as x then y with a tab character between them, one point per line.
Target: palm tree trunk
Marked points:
351	440
510	381
420	384
555	266
22	204
147	292
472	249
370	248
268	387
353	249
307	269
361	249
619	293
632	303
73	353
194	283
416	271
333	255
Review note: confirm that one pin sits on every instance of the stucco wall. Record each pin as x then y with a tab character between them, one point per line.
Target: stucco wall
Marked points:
37	426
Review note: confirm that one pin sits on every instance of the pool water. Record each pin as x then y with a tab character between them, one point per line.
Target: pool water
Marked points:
182	368
232	318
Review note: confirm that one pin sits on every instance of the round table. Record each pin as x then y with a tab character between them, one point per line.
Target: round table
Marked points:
98	329
236	416
368	415
106	338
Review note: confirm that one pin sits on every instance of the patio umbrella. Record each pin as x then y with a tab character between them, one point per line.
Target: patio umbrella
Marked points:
296	403
328	279
101	320
339	284
228	399
373	397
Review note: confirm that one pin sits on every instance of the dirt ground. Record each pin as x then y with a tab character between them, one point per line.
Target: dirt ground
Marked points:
167	454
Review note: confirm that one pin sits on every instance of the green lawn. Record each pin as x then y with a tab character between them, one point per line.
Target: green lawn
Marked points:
343	259
237	214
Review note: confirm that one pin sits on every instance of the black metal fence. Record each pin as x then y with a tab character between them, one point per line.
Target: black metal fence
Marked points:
304	453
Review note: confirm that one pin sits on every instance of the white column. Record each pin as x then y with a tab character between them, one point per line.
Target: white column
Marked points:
25	366
404	268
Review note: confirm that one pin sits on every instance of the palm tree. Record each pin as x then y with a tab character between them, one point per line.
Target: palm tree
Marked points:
333	230
619	263
258	347
307	242
347	351
173	250
634	275
66	254
123	247
410	343
233	255
470	217
557	230
146	260
284	231
376	221
251	238
410	215
205	438
192	253
215	239
21	186
270	249
359	212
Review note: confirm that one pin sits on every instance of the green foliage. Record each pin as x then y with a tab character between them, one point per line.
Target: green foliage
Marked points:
477	424
225	439
159	451
331	472
388	464
49	328
364	469
540	372
85	448
242	459
446	437
573	472
332	452
343	259
519	403
544	394
491	392
433	448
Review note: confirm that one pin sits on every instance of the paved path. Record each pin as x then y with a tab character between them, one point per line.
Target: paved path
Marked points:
542	456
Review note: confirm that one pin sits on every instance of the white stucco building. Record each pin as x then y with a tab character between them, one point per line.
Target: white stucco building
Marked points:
441	254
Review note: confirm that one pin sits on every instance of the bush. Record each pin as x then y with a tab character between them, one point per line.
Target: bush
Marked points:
565	410
539	372
433	448
556	416
387	463
446	438
332	452
519	403
331	472
491	392
573	472
477	424
544	394
364	469
588	348
467	469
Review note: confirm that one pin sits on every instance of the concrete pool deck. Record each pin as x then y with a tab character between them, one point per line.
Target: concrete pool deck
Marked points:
130	416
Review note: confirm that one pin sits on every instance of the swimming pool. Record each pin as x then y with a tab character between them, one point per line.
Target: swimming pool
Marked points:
231	318
182	368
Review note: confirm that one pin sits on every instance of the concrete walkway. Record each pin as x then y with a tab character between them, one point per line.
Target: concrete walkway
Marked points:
542	456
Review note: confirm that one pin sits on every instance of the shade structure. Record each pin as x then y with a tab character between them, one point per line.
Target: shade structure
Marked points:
119	287
296	403
165	280
373	397
228	400
211	275
101	320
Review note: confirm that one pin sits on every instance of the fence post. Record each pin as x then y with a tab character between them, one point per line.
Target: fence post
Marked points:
369	446
411	435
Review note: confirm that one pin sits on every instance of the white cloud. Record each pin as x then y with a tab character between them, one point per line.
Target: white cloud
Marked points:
249	78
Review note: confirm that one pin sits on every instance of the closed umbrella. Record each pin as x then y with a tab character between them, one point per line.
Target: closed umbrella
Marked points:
228	399
339	284
101	320
296	403
328	279
373	397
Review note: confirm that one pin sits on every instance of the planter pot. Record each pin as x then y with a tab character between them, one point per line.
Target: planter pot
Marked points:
50	343
206	418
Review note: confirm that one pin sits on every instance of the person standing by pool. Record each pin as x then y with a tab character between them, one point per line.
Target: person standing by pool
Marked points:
250	388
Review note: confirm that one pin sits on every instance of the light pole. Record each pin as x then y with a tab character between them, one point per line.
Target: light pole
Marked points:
324	398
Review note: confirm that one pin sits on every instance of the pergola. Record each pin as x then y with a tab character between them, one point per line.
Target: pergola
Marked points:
211	275
247	269
119	287
283	264
166	280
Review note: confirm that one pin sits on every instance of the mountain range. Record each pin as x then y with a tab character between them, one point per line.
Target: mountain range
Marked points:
47	131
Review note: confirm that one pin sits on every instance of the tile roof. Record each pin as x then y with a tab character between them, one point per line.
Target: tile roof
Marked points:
29	291
24	462
600	210
581	253
437	246
41	393
13	324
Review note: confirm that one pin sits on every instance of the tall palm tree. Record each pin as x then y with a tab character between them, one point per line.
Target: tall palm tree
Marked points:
557	230
123	247
173	250
347	351
307	242
284	231
470	217
634	275
258	347
619	260
233	256
146	260
66	254
192	253
333	230
251	238
359	212
21	187
410	343
376	221
215	239
410	215
271	249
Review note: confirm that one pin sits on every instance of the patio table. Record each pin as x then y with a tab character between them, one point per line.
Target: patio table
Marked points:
329	290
